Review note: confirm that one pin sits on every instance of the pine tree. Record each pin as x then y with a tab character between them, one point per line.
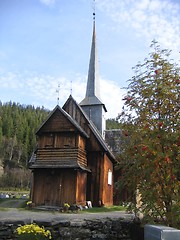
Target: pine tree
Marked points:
18	124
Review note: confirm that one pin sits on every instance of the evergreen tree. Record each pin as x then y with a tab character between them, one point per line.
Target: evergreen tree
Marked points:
18	124
112	124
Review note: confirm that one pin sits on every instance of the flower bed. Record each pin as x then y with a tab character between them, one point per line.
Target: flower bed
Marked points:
32	232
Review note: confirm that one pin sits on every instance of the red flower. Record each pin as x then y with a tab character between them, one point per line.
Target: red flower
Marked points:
160	124
144	148
135	147
167	159
172	177
127	98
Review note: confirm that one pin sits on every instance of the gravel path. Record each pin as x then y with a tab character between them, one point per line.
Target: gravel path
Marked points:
12	214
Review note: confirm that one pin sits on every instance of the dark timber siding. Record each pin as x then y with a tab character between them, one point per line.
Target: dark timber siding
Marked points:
54	187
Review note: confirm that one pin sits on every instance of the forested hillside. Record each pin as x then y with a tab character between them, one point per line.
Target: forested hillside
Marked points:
18	124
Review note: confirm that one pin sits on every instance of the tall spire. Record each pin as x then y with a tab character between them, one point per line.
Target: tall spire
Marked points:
92	104
93	84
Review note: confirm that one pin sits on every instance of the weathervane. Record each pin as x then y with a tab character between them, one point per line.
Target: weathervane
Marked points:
57	91
71	88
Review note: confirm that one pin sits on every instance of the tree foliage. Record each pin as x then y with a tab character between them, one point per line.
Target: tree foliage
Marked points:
18	124
150	117
112	123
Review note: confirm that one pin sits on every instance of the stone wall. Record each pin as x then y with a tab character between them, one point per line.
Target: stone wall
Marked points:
103	229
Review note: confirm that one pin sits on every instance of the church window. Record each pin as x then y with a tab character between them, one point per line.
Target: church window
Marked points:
109	177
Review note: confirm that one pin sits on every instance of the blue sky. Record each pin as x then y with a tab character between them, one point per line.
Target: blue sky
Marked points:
46	43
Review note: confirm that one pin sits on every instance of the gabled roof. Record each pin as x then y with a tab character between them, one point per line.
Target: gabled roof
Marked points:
72	121
92	127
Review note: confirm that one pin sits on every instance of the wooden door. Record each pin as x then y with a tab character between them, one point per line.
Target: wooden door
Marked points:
60	187
52	190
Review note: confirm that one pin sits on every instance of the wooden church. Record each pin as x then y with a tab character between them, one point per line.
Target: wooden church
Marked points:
72	163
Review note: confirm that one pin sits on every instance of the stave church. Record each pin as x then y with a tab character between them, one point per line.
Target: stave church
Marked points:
72	162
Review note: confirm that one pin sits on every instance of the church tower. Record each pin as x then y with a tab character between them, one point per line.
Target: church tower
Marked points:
91	104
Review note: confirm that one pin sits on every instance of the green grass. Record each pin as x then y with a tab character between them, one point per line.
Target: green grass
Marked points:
3	209
2	200
12	202
104	209
14	191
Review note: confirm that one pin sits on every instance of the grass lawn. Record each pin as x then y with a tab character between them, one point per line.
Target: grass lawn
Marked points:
104	209
12	203
17	198
21	204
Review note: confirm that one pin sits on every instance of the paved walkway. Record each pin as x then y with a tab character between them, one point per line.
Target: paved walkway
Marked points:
14	214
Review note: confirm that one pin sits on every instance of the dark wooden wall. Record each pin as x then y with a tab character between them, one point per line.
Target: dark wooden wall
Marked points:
61	148
93	180
81	188
54	187
107	193
57	123
57	140
71	108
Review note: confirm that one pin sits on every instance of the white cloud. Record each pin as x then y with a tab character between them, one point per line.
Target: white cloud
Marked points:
41	90
10	80
151	19
111	95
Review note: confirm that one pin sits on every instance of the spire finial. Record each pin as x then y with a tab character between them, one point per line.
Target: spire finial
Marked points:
94	10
